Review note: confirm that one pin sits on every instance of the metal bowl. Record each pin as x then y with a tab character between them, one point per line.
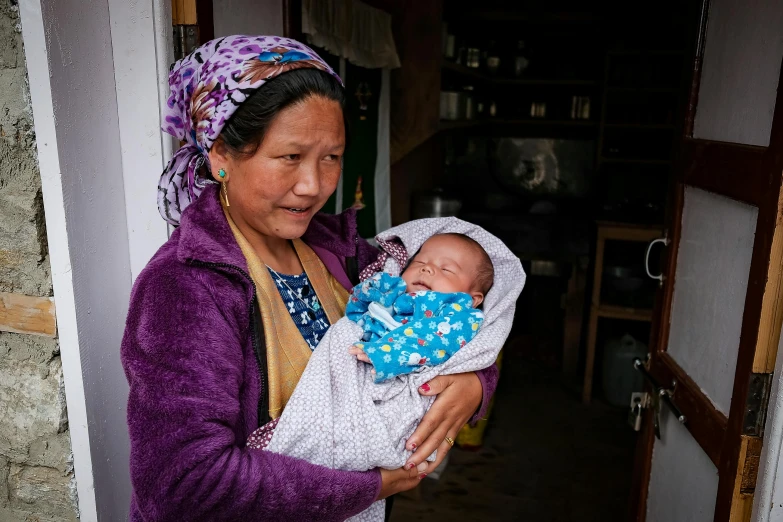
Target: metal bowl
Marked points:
623	279
435	204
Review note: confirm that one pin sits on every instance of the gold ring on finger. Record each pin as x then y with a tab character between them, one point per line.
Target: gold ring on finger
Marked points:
450	441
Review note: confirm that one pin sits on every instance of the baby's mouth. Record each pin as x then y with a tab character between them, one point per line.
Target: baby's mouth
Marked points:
419	283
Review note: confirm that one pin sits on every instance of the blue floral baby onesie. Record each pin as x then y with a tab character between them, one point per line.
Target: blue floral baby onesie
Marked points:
406	331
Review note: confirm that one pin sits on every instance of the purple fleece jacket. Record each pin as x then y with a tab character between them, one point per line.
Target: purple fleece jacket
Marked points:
188	353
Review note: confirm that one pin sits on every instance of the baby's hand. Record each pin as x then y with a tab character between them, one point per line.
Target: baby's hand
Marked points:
359	353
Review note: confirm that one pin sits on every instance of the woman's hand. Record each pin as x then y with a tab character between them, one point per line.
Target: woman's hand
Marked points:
459	396
359	353
398	480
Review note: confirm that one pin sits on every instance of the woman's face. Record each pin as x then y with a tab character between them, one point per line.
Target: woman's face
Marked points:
296	168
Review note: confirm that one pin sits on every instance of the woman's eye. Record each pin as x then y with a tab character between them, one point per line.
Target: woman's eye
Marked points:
291	157
333	157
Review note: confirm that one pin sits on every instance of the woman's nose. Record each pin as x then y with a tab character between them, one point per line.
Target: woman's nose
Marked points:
308	183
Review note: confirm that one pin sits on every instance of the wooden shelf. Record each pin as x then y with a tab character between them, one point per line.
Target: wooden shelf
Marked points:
671	90
453	125
634	161
530	17
619	312
480	75
644	126
544	121
463	70
544	82
447	125
648	52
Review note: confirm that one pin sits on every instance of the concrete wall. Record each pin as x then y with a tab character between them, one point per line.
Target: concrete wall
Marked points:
248	17
36	475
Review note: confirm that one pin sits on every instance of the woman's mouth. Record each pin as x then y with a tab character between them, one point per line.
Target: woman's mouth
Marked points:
297	211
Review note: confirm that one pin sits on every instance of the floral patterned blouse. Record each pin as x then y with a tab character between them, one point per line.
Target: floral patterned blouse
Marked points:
303	305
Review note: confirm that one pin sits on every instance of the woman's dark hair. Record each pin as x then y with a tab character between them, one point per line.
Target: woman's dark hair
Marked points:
245	130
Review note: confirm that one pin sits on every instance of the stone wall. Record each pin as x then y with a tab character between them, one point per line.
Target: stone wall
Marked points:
36	475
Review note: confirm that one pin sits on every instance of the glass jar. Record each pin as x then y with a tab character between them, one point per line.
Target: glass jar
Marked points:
493	59
520	61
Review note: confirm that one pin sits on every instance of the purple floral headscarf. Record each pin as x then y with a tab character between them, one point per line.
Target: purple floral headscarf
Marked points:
207	86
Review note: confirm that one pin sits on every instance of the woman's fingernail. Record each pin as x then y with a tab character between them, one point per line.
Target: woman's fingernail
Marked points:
413	446
408	466
422	475
425	387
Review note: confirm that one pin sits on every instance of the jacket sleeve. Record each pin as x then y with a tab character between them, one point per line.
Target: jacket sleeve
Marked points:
489	383
184	362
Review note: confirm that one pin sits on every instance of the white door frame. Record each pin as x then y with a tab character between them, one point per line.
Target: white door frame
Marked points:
100	152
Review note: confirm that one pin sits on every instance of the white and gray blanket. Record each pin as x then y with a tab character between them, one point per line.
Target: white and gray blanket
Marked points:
339	418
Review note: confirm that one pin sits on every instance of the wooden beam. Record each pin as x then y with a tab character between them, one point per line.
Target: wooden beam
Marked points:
745	482
292	19
27	314
772	303
734	171
706	424
183	12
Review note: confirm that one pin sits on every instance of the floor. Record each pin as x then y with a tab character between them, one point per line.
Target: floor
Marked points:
546	458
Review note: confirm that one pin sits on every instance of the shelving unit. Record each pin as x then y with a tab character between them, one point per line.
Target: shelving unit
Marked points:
598	309
490	81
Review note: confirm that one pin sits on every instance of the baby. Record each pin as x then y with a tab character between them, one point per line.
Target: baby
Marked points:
419	319
423	317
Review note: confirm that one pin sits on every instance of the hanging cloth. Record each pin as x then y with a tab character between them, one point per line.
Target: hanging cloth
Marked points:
352	30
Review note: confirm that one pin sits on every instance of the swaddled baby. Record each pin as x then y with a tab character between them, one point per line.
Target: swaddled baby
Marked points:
423	317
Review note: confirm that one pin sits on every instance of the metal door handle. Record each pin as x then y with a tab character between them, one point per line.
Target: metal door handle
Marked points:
659	277
664	393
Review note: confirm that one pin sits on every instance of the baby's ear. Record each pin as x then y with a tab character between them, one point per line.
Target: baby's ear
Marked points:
478	298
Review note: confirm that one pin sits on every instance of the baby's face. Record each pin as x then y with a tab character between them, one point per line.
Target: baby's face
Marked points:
444	264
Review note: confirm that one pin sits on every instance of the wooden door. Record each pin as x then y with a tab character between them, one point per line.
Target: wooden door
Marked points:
717	324
193	24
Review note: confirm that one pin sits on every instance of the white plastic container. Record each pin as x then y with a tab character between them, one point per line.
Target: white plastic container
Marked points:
620	379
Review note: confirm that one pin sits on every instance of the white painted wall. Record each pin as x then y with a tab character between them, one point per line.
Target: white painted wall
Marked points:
248	17
135	30
740	73
68	49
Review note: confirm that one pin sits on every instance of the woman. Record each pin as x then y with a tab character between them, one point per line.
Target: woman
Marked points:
223	318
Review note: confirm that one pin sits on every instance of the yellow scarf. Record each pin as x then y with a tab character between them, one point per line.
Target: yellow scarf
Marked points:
287	352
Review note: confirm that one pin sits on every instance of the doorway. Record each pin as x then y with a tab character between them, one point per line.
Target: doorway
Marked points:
562	130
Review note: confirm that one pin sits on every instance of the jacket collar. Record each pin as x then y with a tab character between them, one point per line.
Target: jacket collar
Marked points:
205	235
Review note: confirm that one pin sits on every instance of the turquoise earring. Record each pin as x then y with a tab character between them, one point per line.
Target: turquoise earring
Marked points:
222	173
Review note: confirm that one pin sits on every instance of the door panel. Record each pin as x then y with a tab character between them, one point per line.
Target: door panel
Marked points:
713	261
717	323
680	466
740	71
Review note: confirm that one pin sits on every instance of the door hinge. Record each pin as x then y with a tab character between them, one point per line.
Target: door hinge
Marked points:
756	404
185	40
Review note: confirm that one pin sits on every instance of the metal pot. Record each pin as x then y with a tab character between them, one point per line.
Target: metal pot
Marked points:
435	203
623	279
